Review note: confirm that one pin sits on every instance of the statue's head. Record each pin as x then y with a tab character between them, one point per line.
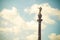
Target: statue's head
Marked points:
40	9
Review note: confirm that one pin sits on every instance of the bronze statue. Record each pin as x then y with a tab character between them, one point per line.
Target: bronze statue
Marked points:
40	9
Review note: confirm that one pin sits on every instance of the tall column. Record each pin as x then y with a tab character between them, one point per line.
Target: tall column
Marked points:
39	23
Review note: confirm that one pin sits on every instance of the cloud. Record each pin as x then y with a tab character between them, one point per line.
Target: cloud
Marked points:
47	9
32	9
32	37
16	20
47	12
11	17
54	36
12	22
17	38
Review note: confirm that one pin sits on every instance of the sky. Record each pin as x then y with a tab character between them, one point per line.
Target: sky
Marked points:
18	19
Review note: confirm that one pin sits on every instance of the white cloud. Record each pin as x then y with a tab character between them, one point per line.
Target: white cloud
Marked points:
54	36
32	37
32	9
17	38
47	11
32	25
11	16
43	26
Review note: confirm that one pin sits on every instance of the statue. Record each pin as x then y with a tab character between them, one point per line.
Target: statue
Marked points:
40	15
40	9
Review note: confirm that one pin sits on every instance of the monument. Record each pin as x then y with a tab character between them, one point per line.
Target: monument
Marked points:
39	23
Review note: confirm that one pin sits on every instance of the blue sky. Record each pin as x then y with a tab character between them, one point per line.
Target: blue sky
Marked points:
52	22
21	4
